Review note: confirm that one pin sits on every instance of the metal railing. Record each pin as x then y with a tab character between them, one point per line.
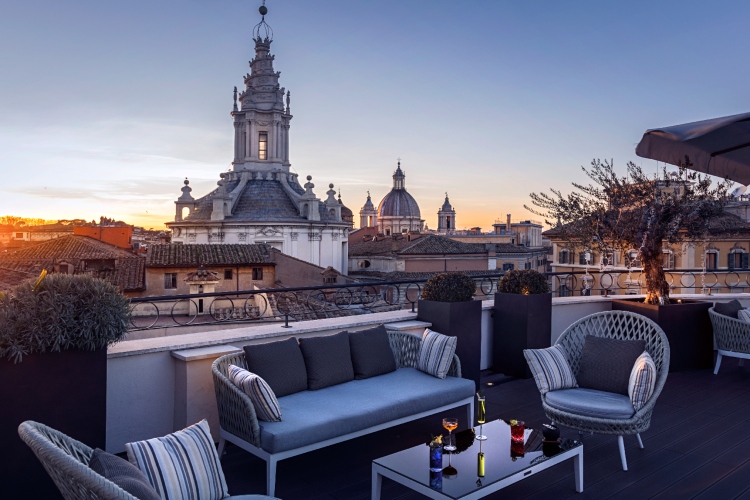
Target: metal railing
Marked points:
336	300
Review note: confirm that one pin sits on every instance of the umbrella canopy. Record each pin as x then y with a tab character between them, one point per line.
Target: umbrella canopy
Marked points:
720	146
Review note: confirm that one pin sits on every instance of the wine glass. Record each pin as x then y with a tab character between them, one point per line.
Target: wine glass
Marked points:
450	424
481	416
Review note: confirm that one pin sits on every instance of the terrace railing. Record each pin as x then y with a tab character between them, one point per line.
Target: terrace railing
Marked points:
335	300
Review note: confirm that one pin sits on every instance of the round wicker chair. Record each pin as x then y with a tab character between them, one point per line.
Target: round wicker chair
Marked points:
67	463
621	325
732	337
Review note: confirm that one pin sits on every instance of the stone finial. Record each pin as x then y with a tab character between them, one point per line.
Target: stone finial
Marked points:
186	189
288	106
235	99
309	186
331	195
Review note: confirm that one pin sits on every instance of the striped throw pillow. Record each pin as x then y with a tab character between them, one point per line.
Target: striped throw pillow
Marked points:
436	353
260	393
642	381
744	315
550	369
183	465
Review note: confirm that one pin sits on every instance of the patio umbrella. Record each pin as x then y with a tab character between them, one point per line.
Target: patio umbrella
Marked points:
719	147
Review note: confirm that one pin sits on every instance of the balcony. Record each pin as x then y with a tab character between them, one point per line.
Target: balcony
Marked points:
696	445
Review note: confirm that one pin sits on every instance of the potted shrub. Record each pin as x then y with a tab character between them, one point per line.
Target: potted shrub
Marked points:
448	303
646	212
54	335
522	320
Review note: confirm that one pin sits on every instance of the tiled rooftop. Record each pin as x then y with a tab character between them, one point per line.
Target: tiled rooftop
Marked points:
423	245
698	446
176	255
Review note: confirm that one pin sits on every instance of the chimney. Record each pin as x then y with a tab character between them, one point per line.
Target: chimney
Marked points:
507	224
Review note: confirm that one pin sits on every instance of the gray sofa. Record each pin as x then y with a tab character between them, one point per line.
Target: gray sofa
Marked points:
315	419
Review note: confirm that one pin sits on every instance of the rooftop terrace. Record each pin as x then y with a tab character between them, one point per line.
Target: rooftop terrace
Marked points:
698	446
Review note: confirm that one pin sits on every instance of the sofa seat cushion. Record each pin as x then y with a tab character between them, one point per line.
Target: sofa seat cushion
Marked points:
591	403
315	416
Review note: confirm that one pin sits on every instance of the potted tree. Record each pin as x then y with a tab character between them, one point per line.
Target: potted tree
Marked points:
448	303
645	212
522	320
54	335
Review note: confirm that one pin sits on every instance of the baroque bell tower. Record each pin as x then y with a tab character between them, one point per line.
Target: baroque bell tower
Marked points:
261	123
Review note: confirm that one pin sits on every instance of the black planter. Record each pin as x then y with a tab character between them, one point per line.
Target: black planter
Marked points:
688	329
462	320
65	390
520	322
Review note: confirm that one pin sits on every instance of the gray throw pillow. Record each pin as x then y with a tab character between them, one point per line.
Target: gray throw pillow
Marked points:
124	474
371	353
606	363
280	364
731	308
328	360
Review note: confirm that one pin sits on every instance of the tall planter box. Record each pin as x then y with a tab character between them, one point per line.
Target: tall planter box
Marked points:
65	390
462	320
688	329
520	322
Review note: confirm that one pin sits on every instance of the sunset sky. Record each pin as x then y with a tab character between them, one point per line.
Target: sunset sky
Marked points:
108	106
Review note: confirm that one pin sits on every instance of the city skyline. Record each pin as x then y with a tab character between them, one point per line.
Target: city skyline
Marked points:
486	101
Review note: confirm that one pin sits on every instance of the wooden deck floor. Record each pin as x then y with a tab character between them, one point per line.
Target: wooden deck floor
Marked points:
698	446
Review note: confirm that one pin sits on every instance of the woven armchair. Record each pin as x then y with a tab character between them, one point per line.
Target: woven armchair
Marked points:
237	413
732	337
67	463
621	325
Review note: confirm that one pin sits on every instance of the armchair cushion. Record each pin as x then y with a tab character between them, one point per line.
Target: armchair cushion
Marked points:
328	360
371	353
280	364
259	392
183	465
591	403
642	381
744	315
730	308
550	369
124	474
606	363
436	353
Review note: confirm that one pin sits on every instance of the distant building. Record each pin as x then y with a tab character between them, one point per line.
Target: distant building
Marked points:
397	213
446	218
75	254
260	200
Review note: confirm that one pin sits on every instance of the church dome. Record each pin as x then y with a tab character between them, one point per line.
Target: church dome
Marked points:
398	203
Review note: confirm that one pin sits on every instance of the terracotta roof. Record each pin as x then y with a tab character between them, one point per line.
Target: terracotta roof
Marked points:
365	276
128	272
10	278
424	245
177	255
510	248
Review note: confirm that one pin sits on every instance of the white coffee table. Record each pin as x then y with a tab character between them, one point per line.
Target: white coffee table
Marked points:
410	467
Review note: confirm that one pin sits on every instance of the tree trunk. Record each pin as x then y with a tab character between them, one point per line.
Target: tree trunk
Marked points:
657	288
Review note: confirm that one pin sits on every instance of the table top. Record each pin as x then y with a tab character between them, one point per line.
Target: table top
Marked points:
500	461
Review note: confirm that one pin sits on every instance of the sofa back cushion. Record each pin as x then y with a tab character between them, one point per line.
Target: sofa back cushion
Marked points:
371	353
606	363
731	308
436	353
328	360
280	364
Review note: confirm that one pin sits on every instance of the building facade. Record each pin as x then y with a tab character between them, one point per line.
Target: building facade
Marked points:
260	200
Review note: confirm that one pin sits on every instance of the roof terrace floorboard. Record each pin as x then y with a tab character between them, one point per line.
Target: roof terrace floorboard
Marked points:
698	446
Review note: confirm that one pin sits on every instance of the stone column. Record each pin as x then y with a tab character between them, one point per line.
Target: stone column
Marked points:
286	143
248	137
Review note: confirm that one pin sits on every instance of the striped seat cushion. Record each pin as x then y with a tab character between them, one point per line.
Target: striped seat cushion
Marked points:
436	353
181	466
550	369
259	392
642	381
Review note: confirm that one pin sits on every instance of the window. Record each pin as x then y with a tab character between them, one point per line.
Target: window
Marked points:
404	230
738	260
582	258
527	265
19	235
564	257
711	258
447	222
263	146
668	260
257	273
329	279
508	266
227	274
170	281
387	232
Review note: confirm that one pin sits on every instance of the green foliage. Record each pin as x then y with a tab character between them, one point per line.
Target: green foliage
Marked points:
61	312
449	287
526	282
